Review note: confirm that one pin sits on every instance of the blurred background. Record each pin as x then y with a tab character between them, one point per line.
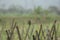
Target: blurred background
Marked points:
35	9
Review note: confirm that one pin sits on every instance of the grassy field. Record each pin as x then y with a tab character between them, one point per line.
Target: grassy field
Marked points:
22	22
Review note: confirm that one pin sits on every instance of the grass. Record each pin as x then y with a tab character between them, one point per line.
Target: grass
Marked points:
22	21
36	27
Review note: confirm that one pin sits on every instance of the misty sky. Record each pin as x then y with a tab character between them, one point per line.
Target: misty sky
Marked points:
31	3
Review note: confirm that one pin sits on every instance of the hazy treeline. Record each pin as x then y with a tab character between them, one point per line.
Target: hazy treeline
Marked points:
38	10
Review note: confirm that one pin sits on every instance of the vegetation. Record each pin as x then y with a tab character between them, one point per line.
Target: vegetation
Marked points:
29	24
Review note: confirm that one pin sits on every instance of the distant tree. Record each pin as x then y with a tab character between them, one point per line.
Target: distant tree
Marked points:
58	12
12	8
53	9
17	9
37	10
